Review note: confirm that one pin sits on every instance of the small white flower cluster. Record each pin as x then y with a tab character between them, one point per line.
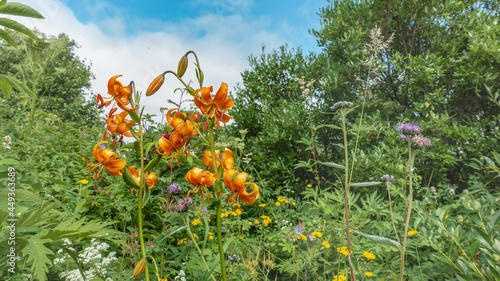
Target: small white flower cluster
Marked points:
181	276
89	256
285	224
6	144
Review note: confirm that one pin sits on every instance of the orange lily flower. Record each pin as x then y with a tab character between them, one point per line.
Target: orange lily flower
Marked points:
150	179
106	158
213	107
183	127
227	159
119	94
171	143
117	124
200	179
238	185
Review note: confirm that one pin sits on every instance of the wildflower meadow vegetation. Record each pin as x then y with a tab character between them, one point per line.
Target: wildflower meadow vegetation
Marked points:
376	159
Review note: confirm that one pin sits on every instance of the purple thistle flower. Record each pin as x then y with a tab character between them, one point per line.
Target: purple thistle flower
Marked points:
174	189
103	146
403	138
167	135
298	230
409	129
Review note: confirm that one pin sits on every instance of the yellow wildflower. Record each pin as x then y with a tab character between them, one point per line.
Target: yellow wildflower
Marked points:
368	274
339	278
277	203
412	232
196	222
210	236
183	240
249	223
301	237
309	185
83	181
326	244
369	255
257	222
344	251
317	234
262	205
293	203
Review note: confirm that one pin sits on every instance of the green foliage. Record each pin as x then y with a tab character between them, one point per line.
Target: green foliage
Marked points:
16	9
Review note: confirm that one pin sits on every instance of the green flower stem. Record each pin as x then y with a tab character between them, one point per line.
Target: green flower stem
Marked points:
186	223
346	192
388	184
218	190
463	252
139	208
408	216
439	250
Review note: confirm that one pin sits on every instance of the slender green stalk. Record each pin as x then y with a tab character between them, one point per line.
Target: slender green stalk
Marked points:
408	216
218	190
346	192
186	223
141	190
390	207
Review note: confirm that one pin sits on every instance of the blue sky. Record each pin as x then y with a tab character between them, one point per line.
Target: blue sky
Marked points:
141	39
290	19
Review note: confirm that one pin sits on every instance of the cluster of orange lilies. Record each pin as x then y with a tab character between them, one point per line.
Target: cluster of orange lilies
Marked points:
174	141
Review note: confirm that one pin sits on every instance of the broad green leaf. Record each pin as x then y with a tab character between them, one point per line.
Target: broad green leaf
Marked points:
173	232
497	157
134	116
328	126
378	239
17	9
15	83
153	163
5	36
37	253
74	256
14	25
331	164
362	184
129	180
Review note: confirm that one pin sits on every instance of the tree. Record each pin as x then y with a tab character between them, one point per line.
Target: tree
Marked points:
51	69
438	70
273	110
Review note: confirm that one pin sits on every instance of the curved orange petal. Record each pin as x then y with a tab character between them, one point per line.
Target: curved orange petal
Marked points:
206	95
221	95
115	165
151	180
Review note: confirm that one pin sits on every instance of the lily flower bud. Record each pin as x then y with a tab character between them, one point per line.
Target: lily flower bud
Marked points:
140	267
183	64
155	85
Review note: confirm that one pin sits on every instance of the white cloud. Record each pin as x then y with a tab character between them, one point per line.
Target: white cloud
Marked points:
223	48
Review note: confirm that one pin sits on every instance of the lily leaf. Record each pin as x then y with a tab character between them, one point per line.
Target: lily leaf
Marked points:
378	239
331	164
153	163
173	232
129	180
362	184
